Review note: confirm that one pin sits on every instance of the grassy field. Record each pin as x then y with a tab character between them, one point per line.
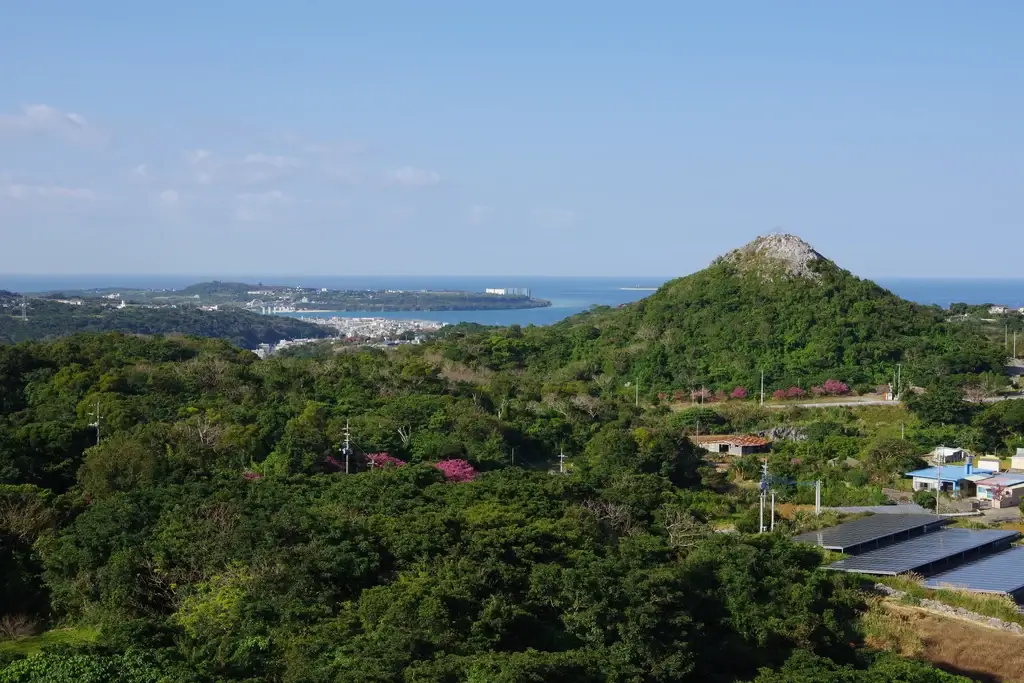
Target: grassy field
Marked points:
61	636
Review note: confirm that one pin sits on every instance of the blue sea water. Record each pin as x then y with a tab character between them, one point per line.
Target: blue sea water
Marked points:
568	295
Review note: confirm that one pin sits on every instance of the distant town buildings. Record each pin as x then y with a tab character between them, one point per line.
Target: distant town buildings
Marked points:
379	330
508	291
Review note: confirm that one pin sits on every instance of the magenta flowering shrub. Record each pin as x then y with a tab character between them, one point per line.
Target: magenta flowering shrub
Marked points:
779	394
795	392
738	392
834	387
250	475
383	460
457	470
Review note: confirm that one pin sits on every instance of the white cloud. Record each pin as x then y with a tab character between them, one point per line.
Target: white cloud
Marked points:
197	156
276	161
479	214
170	197
410	176
140	171
26	192
44	119
557	219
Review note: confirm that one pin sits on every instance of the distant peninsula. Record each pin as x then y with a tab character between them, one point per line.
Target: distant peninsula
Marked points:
261	298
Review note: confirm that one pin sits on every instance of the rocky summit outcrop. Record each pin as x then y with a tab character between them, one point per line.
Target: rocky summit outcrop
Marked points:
776	253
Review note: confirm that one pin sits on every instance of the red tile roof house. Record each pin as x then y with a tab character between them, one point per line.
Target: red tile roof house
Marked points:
732	444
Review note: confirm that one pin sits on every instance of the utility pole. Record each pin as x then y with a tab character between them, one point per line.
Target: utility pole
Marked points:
1015	344
899	380
817	497
637	403
764	491
513	455
902	431
938	480
561	461
96	417
773	510
347	448
24	308
762	387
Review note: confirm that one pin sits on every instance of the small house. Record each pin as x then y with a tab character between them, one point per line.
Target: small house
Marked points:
998	309
943	455
1004	490
732	444
956	479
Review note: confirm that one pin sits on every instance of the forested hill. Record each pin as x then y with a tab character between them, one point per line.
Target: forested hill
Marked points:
213	536
50	320
775	306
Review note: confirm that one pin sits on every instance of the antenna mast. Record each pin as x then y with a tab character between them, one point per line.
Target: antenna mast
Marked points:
24	308
96	418
561	461
347	448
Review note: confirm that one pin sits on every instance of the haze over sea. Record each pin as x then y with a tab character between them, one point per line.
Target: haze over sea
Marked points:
568	295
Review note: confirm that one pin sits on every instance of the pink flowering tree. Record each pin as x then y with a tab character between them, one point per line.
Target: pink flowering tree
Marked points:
779	394
251	475
834	387
738	392
818	391
383	460
457	470
795	392
701	395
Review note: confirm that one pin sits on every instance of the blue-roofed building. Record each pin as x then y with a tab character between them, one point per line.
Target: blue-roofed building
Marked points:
956	479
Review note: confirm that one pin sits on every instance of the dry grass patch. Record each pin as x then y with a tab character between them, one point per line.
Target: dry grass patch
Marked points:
955	645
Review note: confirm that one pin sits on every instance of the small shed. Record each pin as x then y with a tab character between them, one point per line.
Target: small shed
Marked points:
1017	461
989	463
732	444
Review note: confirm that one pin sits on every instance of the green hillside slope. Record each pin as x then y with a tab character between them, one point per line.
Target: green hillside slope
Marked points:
774	306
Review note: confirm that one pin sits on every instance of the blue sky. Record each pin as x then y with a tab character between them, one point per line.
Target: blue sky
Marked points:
531	137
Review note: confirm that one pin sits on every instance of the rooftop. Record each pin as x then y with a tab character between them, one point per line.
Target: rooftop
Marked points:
731	439
949	472
1006	479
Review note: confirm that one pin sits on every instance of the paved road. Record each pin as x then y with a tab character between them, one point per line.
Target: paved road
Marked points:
853	402
835	404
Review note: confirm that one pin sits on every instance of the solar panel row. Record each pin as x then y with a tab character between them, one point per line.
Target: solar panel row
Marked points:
922	552
871	531
999	573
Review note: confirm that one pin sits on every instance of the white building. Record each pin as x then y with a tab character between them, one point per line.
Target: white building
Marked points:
998	309
943	455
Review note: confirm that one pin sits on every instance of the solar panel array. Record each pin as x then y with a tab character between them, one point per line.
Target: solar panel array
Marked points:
999	573
918	553
875	529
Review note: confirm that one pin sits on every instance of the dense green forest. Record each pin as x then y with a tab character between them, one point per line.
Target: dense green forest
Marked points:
50	319
212	534
722	327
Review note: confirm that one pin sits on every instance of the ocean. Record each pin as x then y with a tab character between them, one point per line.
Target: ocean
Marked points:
568	295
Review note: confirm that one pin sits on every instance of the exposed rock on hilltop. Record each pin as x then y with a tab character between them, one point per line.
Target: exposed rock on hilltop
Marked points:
775	251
